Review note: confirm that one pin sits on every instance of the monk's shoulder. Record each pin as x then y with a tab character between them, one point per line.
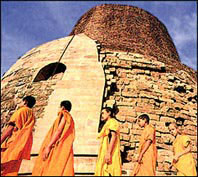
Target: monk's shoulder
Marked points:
67	116
185	138
114	121
24	109
113	124
150	128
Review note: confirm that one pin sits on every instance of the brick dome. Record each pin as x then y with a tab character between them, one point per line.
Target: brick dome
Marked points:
131	29
127	28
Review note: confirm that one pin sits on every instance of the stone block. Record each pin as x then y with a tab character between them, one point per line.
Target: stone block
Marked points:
130	119
163	146
148	109
160	167
27	165
160	127
125	130
167	119
148	95
190	122
136	132
121	118
129	94
84	164
136	139
110	76
138	71
125	111
190	132
167	138
158	134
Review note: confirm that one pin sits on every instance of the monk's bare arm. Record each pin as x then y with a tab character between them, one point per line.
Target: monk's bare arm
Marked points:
55	137
112	142
147	144
7	133
58	133
110	147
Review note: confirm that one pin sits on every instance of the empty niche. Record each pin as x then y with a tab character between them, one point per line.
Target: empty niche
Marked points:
51	71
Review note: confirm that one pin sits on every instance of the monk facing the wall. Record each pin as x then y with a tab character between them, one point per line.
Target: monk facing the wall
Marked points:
17	139
109	159
146	163
56	156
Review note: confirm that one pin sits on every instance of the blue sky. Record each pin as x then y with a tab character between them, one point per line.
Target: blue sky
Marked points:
27	24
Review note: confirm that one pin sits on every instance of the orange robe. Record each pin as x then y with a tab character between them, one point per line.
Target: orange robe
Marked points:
115	168
60	161
148	165
18	145
186	164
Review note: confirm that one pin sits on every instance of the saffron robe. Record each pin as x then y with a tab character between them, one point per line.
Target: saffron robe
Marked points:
186	164
149	159
18	145
60	161
115	168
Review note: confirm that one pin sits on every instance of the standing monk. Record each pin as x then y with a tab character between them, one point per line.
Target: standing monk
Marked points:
17	139
183	159
109	159
147	159
56	156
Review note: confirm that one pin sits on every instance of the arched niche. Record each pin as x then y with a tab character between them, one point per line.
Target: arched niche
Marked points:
49	71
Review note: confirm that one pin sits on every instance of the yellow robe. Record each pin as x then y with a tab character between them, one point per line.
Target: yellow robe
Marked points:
18	145
115	168
185	165
60	161
148	165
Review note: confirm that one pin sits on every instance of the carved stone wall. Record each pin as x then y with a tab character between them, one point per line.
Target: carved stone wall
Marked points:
18	81
77	76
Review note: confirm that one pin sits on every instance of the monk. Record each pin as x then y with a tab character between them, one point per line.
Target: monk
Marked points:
109	159
56	156
17	139
146	163
183	159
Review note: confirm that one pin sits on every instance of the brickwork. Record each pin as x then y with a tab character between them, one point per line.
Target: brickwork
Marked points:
49	87
139	30
131	29
107	65
19	87
17	82
136	84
